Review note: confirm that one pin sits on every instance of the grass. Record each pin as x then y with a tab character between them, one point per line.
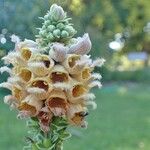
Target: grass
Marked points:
121	122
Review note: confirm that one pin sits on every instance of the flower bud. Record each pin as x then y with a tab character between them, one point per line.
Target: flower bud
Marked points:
56	33
70	30
64	34
57	13
60	26
51	28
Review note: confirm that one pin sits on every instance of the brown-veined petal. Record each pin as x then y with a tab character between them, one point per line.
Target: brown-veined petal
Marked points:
39	87
58	74
57	102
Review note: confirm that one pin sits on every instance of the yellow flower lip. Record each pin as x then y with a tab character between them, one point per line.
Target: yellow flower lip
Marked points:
77	119
76	114
26	53
18	92
31	104
86	73
78	90
72	60
25	74
26	107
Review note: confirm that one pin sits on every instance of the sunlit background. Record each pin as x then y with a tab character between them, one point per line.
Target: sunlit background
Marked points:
120	32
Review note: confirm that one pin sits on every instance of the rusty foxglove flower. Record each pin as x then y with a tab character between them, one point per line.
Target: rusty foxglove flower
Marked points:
50	80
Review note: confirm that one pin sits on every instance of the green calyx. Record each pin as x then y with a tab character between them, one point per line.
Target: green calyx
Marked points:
56	27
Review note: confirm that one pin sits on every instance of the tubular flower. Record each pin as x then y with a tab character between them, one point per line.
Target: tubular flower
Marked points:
51	78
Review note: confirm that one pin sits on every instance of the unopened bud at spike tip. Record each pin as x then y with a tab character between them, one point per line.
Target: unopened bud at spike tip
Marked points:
57	13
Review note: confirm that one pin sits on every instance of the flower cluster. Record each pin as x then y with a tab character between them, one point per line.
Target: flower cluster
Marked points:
54	84
55	81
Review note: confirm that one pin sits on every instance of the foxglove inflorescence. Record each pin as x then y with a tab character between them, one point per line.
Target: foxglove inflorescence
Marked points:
51	78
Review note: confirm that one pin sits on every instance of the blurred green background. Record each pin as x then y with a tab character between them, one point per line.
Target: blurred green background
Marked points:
120	32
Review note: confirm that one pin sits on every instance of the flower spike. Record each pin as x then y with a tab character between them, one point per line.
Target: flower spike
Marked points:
51	80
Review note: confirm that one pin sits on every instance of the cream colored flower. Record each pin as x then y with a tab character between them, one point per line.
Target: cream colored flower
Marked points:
57	102
41	64
52	77
59	75
84	75
39	87
70	63
76	115
76	91
31	104
18	92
